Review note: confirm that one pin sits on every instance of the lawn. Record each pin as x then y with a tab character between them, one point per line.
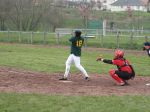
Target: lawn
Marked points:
47	103
52	59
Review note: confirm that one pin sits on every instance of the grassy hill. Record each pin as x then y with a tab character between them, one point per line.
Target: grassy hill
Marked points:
74	19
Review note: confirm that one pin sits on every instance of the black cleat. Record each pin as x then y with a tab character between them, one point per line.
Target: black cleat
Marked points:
63	79
126	83
87	78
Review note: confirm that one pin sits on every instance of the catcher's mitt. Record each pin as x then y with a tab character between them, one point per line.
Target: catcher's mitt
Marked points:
99	59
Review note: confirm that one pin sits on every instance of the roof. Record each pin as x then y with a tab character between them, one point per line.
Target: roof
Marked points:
128	2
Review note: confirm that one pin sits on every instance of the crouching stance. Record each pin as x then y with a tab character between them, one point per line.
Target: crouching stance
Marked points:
124	72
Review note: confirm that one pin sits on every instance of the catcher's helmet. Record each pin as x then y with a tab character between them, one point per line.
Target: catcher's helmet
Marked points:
119	54
78	33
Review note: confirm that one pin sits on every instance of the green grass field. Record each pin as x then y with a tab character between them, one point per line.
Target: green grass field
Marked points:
51	59
46	103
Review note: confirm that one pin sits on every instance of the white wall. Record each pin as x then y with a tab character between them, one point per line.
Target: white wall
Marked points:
124	8
108	4
79	0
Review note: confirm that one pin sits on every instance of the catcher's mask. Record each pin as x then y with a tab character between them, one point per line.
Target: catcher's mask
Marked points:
119	54
77	33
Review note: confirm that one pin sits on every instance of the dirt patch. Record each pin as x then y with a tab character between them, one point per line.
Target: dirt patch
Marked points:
12	80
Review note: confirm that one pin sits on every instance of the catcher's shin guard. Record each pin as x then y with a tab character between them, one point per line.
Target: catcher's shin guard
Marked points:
116	77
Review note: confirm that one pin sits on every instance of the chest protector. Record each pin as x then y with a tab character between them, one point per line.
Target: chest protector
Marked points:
126	67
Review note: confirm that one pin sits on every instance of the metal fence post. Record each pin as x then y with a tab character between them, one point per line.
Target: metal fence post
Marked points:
97	33
131	40
19	36
8	35
102	43
100	37
118	34
57	36
31	37
86	38
86	42
44	39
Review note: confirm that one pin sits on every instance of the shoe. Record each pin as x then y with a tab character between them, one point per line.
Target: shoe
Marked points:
87	78
63	78
122	84
126	83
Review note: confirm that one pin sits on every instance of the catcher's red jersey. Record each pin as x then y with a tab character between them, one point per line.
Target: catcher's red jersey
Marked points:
123	65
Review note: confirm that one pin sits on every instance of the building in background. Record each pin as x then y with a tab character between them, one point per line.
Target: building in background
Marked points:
111	5
96	4
106	4
124	5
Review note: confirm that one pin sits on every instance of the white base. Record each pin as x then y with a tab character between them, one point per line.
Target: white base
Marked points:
66	81
148	84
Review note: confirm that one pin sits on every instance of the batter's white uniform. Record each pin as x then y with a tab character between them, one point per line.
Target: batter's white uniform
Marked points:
76	60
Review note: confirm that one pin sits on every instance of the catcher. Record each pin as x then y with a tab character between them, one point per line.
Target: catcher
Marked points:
124	72
147	46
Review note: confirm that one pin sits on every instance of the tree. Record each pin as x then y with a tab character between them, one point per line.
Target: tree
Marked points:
4	9
84	10
29	15
99	4
53	16
148	6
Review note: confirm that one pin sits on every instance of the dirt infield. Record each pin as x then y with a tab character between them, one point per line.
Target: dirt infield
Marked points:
12	80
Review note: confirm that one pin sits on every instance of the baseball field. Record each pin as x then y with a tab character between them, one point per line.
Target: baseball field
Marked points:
29	81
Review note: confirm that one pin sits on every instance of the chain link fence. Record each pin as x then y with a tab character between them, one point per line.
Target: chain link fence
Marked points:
125	39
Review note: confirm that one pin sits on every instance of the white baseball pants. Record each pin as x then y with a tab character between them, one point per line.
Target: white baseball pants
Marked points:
72	58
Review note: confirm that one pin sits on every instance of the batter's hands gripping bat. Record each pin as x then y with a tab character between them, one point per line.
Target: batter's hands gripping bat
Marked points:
145	47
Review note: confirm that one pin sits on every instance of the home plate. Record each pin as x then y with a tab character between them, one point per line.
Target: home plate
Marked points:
66	81
148	84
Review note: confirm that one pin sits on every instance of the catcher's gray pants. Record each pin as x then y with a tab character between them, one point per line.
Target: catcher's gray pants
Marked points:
72	58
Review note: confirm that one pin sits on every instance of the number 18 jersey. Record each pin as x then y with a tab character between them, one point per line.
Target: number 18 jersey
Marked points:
76	45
